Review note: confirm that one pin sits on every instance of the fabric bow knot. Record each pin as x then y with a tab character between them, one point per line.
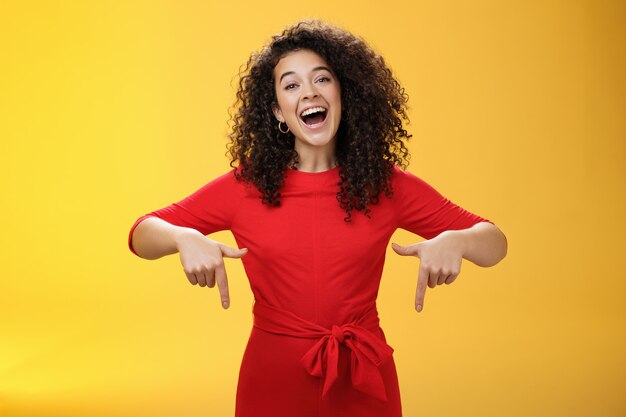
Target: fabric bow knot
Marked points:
338	333
368	351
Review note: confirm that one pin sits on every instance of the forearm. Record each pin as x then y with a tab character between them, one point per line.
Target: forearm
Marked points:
483	244
154	238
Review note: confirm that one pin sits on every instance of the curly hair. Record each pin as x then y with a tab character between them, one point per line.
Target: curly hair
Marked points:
370	134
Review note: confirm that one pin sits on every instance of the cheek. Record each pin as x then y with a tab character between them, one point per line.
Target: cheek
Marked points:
338	97
339	104
289	105
283	104
281	97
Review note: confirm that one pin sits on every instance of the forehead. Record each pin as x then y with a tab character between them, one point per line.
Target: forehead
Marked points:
301	61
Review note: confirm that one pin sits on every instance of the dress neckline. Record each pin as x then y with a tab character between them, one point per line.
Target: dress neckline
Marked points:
313	174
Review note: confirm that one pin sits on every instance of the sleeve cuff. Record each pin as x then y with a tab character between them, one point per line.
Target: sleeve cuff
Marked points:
132	230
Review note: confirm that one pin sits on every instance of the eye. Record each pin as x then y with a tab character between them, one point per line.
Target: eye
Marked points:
288	86
323	78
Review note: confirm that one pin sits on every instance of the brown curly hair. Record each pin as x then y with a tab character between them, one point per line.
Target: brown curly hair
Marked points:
370	134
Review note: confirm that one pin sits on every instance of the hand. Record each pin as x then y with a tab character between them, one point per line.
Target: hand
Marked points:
440	262
203	263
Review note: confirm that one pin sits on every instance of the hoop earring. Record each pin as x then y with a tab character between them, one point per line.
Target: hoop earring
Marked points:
283	131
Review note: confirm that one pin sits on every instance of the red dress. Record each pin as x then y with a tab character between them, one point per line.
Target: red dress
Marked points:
316	348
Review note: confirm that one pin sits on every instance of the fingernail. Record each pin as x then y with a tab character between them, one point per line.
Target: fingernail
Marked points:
225	304
419	308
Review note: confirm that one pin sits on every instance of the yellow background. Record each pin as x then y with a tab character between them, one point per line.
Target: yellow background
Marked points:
112	109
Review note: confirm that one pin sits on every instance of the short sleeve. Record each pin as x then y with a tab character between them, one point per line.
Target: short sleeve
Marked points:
209	209
424	211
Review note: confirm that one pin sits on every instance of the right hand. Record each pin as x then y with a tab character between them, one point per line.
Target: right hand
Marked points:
203	263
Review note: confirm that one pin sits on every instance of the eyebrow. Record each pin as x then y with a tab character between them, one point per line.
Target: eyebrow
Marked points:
313	70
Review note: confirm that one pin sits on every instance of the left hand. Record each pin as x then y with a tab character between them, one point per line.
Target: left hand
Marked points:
440	262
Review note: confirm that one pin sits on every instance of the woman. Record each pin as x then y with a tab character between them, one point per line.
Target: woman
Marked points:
317	194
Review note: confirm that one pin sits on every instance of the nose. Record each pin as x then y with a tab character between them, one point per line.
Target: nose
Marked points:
309	91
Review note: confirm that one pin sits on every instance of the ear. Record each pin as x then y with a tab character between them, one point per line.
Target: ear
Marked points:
277	112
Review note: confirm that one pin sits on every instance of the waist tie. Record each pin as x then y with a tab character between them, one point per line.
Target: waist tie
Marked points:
368	351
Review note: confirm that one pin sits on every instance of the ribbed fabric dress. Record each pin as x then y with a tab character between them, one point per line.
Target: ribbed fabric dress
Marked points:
316	348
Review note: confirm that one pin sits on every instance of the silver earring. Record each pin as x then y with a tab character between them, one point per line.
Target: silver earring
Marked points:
283	131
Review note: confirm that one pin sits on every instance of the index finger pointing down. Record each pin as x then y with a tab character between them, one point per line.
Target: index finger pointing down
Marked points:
222	283
422	281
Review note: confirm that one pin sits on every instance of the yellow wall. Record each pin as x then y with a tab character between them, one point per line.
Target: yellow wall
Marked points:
112	109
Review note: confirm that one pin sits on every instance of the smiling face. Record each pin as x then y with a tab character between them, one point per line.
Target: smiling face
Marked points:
309	99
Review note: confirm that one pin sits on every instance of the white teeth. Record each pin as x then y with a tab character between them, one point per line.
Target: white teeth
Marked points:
312	110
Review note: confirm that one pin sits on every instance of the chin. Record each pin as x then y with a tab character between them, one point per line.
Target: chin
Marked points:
316	141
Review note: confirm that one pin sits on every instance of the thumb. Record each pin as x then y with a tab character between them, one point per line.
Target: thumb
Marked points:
404	250
232	252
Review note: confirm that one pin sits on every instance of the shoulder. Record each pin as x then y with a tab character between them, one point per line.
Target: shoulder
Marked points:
226	184
398	173
228	178
409	187
241	185
403	179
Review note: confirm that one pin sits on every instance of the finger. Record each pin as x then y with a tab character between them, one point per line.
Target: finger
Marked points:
451	279
210	280
191	277
404	250
222	283
422	280
433	276
232	252
442	277
201	278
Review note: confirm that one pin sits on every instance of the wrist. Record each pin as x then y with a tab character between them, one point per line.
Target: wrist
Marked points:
181	236
456	239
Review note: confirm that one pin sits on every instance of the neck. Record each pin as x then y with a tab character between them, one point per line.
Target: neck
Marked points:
315	158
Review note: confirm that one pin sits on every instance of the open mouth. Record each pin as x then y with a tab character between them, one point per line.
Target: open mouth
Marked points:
313	116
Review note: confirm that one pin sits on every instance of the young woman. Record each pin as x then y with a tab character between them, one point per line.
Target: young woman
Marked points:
312	203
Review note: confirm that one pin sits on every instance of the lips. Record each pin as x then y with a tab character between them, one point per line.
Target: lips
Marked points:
312	109
313	116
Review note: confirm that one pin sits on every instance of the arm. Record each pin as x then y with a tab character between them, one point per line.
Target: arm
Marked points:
154	238
209	209
483	244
